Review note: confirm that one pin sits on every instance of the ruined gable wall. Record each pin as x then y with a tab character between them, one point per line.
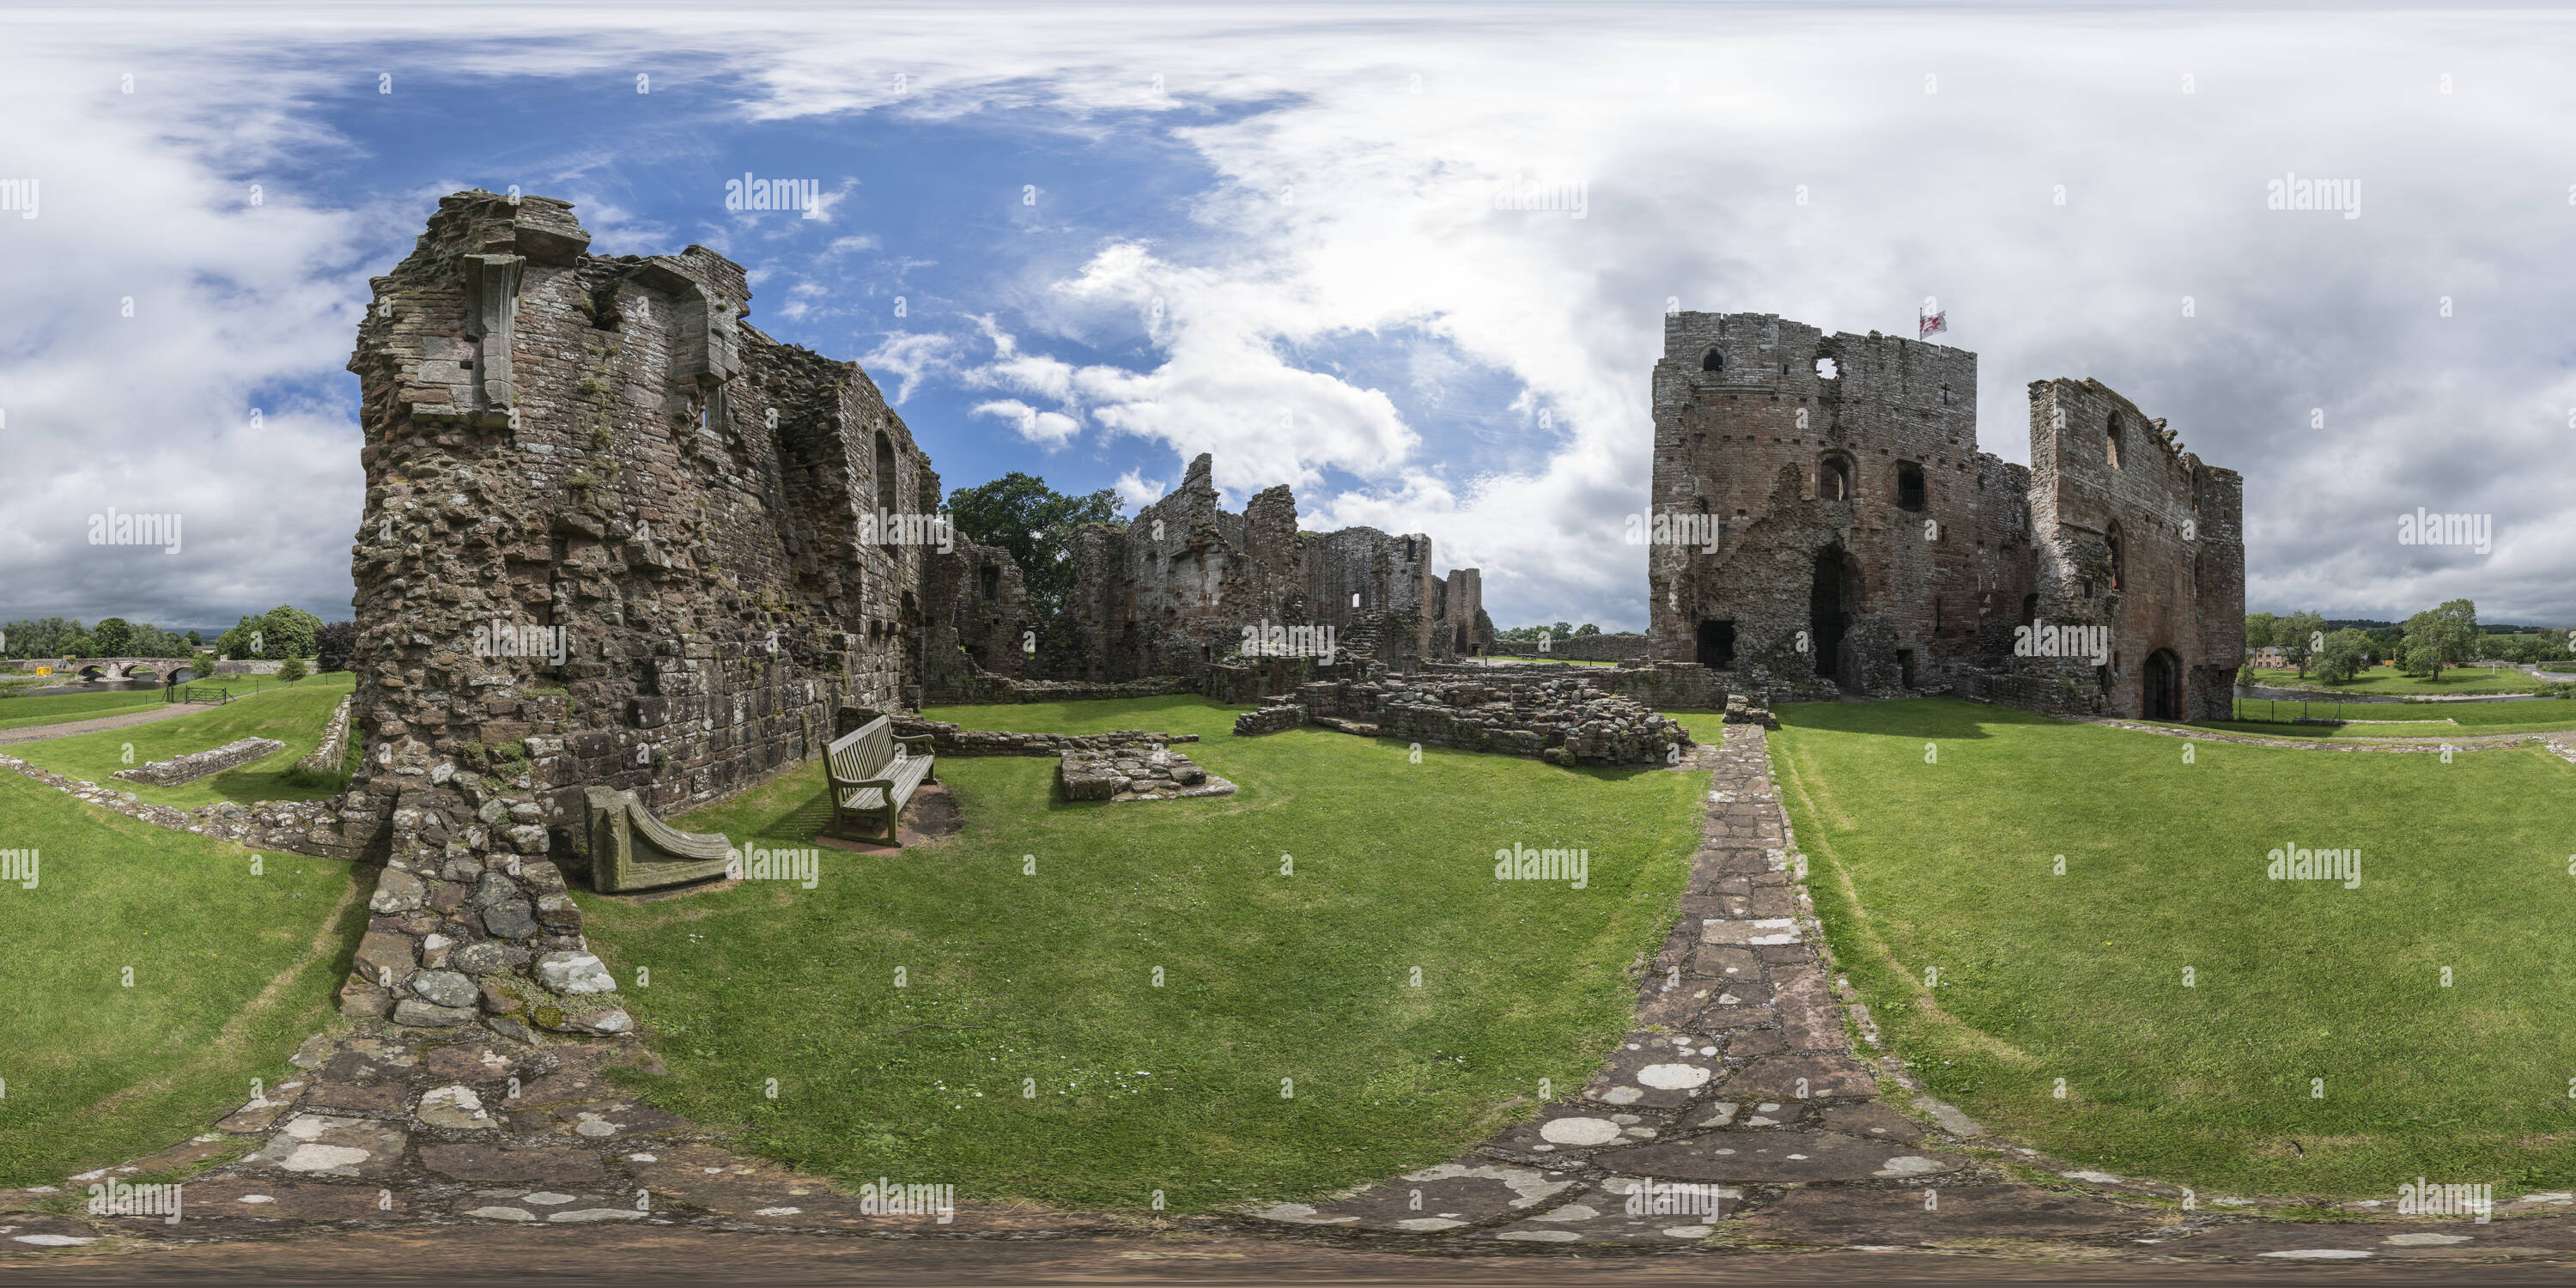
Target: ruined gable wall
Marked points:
630	486
2179	527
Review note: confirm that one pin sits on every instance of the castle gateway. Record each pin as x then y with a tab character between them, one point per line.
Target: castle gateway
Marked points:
1823	519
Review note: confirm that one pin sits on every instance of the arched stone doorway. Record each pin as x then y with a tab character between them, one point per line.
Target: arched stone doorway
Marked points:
2164	686
1832	601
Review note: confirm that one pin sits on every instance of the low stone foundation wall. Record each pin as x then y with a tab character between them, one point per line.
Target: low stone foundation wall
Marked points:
2051	694
1561	721
948	740
1675	686
1580	648
346	827
248	666
335	744
189	768
997	690
1269	720
1135	774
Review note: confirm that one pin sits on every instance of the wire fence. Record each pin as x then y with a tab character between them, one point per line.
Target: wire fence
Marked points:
2290	711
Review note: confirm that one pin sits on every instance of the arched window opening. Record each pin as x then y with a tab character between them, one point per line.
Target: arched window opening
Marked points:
885	473
2113	539
1833	478
2111	440
1712	361
1909	486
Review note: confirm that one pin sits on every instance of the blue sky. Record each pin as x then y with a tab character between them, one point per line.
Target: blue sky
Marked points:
1125	236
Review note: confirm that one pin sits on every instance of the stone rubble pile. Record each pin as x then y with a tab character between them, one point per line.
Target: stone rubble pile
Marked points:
1137	773
1563	721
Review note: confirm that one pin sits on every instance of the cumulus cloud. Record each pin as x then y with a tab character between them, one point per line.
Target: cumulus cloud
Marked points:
2084	193
1045	428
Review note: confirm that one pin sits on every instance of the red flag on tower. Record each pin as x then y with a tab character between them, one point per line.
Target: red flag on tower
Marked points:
1931	319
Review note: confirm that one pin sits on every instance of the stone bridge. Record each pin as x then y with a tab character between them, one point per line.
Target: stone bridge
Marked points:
99	668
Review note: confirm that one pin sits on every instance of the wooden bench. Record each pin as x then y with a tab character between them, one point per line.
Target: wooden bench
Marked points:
875	773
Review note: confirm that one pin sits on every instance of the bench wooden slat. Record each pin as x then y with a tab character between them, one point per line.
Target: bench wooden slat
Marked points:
875	773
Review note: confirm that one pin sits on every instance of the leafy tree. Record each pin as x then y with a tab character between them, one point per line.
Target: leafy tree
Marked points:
235	644
41	637
2345	654
333	645
195	640
1587	629
2297	636
113	636
2444	636
2259	628
287	632
1021	514
291	670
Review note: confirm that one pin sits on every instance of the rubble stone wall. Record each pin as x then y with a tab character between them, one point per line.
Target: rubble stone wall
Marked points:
614	537
1171	591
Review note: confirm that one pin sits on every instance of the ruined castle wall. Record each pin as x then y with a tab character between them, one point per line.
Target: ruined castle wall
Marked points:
694	507
2105	473
1170	592
1748	446
1934	589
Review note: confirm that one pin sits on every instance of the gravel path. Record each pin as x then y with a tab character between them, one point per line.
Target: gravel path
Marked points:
41	733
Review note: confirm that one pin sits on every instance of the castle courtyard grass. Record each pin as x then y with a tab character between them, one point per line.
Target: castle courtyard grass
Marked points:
2453	682
62	708
2314	1050
1285	1052
230	972
2403	719
294	714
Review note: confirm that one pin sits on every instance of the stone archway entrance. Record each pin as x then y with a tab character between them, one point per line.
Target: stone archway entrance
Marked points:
1832	601
2163	686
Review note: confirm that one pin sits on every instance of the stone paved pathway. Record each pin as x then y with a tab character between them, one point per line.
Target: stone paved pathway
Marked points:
1740	1076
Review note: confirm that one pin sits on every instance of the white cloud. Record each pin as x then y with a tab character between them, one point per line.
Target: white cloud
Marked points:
1045	428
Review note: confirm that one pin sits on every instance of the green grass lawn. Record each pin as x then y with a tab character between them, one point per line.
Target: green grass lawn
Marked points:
2405	719
230	972
293	714
1017	981
2381	679
1949	866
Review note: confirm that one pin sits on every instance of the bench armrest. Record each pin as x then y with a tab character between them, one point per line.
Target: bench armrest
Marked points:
919	744
859	784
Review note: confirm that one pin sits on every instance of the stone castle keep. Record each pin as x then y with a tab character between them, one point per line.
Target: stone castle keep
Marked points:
1828	522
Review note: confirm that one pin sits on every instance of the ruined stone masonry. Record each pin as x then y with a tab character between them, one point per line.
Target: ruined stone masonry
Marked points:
614	538
1862	543
1170	593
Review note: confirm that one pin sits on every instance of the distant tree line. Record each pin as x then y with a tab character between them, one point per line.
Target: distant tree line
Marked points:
282	632
2425	644
1559	631
41	637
